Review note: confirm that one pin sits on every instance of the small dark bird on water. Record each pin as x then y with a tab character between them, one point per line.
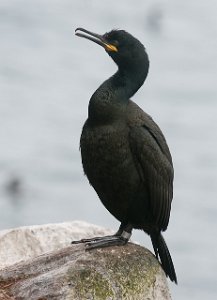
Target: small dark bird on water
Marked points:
124	153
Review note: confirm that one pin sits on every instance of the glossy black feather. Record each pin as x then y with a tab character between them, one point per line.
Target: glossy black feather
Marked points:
124	153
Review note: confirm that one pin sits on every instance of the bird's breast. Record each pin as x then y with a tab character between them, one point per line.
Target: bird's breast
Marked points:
106	107
104	148
108	163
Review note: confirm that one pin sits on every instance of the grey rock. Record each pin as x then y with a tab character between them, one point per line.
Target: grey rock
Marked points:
46	266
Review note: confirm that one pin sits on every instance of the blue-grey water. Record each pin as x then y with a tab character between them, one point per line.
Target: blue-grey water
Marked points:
47	76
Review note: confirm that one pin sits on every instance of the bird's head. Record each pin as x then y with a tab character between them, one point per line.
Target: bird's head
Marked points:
126	51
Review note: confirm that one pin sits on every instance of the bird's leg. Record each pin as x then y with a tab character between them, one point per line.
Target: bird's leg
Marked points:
121	237
94	239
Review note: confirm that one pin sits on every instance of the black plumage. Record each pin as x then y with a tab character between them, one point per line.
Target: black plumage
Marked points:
124	153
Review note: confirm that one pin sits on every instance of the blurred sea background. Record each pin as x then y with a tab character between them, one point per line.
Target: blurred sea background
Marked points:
47	76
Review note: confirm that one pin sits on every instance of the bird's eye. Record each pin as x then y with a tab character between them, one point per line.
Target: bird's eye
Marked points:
115	43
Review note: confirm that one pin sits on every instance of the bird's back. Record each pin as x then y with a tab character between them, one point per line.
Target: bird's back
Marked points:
136	117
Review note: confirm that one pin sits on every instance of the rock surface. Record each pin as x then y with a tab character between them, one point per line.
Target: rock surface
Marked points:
38	263
27	242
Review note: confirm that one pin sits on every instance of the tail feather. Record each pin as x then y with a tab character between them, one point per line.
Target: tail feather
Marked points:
161	250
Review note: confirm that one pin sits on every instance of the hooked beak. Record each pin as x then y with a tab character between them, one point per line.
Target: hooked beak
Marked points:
96	38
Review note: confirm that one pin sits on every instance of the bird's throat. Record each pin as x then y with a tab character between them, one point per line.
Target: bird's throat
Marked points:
108	103
127	83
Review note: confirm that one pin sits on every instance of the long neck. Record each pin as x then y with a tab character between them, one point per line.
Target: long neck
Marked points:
127	82
109	101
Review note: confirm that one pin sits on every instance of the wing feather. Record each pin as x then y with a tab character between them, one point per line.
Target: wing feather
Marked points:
150	150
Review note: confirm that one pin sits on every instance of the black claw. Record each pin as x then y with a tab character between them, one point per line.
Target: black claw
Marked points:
92	240
102	242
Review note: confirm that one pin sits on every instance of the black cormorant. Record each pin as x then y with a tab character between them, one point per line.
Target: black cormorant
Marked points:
124	153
